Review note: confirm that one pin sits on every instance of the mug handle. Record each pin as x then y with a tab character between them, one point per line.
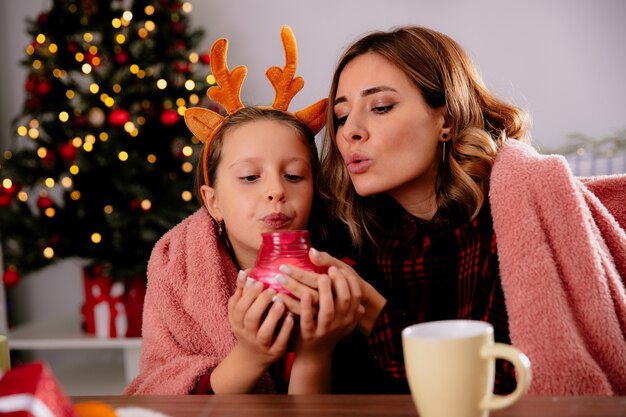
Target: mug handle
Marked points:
524	374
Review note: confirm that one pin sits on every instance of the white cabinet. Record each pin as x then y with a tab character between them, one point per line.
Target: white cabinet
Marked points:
46	305
79	377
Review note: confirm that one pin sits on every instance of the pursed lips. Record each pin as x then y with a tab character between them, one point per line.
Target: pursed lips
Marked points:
276	220
358	163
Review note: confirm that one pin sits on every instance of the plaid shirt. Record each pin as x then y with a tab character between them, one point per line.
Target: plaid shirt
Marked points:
431	274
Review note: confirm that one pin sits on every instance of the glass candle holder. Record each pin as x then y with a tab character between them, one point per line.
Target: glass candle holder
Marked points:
278	248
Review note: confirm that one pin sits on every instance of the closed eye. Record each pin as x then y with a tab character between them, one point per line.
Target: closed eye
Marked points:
293	177
249	178
382	109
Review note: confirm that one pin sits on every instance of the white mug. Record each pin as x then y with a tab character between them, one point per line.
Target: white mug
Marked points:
450	367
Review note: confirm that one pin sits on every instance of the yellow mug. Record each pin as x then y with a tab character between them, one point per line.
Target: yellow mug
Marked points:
450	368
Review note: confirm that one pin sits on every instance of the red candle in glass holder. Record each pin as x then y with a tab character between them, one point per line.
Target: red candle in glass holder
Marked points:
278	248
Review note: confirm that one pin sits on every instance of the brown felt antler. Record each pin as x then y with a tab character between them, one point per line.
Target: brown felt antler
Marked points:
286	85
203	123
228	90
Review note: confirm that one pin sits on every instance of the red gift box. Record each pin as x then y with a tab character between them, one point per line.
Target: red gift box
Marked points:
104	313
111	308
32	391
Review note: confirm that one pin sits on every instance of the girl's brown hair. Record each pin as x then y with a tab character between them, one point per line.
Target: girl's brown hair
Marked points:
445	76
249	115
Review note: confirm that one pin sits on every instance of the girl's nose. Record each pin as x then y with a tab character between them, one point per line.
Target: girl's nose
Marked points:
276	191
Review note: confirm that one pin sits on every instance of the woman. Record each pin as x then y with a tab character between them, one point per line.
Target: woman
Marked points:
433	173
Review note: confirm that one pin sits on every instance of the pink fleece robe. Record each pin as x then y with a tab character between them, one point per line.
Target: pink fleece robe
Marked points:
562	251
186	332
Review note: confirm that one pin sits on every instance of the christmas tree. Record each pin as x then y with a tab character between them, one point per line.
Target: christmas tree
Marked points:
102	163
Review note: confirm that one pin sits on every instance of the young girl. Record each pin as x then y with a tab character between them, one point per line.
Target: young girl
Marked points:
208	328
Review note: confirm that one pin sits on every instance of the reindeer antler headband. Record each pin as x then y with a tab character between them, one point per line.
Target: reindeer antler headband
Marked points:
204	123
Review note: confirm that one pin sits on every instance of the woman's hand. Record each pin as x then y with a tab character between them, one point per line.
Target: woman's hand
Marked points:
300	282
337	314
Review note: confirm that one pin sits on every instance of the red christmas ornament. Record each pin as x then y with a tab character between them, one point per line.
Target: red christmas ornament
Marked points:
33	102
91	59
44	202
180	45
5	199
10	276
30	84
49	160
134	204
205	58
181	67
178	28
72	47
54	239
121	57
67	151
42	19
43	87
169	117
12	190
79	120
118	117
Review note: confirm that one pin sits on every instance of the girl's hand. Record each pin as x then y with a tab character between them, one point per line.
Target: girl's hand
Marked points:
261	326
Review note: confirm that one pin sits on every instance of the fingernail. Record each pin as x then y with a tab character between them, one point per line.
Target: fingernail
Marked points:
315	253
332	269
241	276
271	292
282	280
249	282
324	279
278	306
258	285
285	269
277	299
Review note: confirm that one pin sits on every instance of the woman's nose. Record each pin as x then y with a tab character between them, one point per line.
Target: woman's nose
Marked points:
353	129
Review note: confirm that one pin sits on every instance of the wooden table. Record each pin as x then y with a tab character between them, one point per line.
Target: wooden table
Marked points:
350	405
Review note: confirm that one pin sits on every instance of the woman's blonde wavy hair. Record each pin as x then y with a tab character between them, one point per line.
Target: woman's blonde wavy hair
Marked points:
445	76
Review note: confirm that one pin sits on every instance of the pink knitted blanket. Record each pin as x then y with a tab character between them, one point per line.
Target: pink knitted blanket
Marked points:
562	250
185	320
